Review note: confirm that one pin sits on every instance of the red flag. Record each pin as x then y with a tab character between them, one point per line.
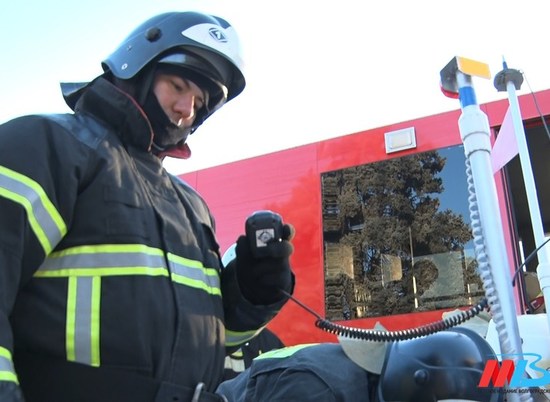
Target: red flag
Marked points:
506	146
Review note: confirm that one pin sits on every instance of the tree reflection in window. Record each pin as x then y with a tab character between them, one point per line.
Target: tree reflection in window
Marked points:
396	237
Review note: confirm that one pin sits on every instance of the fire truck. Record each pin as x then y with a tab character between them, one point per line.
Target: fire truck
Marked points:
382	219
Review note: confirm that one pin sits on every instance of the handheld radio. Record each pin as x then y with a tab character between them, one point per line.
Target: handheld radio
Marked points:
263	227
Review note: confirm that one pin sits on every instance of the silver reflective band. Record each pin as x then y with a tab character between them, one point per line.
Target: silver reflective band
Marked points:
83	304
85	266
105	260
194	274
6	364
45	221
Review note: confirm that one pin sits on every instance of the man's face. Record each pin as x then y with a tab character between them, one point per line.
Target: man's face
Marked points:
180	99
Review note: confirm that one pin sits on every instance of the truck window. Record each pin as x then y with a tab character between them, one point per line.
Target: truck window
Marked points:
397	237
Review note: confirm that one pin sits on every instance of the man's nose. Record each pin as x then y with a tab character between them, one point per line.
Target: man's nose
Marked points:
185	107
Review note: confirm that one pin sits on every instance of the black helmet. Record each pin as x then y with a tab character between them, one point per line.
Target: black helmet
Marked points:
444	365
205	46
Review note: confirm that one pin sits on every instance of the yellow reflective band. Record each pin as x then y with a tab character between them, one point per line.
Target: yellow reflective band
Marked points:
105	271
7	376
44	219
186	261
5	353
284	352
234	338
197	284
128	259
95	324
104	260
7	372
109	248
238	354
83	320
70	320
84	266
193	274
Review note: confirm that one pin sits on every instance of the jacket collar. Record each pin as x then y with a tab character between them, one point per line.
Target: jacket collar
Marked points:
119	110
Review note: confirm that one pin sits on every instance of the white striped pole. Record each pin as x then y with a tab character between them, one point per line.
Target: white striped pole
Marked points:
510	80
474	128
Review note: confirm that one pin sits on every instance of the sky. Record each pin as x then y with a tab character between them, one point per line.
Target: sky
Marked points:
315	69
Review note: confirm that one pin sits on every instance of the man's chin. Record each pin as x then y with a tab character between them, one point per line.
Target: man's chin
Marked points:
172	137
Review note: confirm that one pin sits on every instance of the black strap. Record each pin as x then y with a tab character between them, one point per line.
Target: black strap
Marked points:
44	379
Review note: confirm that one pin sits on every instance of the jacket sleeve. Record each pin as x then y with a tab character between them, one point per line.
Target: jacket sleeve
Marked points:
37	193
243	320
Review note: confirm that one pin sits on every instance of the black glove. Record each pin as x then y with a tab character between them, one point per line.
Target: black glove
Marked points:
261	279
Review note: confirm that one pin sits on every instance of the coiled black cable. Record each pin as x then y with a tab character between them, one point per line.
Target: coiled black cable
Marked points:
390	336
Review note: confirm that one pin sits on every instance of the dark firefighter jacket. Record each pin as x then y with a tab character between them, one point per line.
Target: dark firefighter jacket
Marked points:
106	259
302	373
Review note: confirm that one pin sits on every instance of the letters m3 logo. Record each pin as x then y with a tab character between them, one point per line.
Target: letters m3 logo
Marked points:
513	373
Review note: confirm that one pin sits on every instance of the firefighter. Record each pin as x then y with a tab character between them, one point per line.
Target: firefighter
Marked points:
445	366
110	274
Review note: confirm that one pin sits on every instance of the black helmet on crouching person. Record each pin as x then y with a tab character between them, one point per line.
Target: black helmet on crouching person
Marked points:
447	365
